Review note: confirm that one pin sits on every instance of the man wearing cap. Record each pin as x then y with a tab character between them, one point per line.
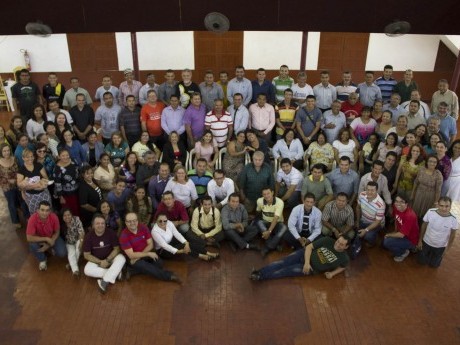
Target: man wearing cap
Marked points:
129	87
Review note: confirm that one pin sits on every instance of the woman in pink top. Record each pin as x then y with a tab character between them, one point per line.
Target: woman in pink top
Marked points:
207	148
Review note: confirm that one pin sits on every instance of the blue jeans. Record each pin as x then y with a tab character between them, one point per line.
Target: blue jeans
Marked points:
151	267
397	246
12	199
290	266
275	236
59	249
371	235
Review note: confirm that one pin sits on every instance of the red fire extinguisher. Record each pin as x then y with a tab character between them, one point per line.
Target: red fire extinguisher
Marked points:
26	59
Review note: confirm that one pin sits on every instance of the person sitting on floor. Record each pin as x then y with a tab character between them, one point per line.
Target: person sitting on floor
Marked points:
322	256
370	213
338	218
206	222
136	241
304	223
102	251
235	224
170	242
405	236
270	221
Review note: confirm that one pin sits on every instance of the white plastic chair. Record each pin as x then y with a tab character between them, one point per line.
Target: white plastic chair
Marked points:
247	158
189	161
222	151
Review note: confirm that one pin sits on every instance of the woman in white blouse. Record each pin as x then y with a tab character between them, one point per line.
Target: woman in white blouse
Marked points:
289	147
345	146
170	242
183	189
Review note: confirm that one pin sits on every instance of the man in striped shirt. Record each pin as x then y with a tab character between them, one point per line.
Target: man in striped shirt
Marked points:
220	123
370	212
386	83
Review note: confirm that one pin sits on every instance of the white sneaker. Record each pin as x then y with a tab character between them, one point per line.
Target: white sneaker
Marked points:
42	266
402	257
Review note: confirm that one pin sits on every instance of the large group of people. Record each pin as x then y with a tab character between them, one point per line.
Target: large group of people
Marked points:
159	170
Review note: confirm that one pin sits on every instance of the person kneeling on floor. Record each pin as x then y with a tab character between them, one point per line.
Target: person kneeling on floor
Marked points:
42	232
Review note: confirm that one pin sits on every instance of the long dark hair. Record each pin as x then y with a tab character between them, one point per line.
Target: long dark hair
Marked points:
126	165
420	158
450	151
135	202
15	131
61	220
67	126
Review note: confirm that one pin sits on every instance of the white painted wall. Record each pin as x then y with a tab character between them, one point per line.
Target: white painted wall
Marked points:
416	52
312	50
46	53
124	50
452	42
271	49
163	50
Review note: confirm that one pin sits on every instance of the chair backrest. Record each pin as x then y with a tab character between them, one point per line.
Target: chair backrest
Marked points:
16	70
222	151
247	158
3	95
189	161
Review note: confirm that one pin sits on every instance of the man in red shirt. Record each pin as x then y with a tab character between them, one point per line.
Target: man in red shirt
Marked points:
137	243
43	234
406	234
175	211
352	108
151	118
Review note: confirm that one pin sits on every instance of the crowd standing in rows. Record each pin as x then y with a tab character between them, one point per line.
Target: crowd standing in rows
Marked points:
174	169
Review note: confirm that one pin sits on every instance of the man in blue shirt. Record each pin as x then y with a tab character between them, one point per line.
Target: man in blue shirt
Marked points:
344	179
262	85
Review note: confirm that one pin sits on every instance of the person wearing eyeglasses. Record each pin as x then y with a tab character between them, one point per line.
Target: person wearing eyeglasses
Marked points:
169	242
406	235
137	243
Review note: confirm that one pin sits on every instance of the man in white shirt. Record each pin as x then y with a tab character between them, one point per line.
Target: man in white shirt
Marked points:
333	121
53	105
241	85
239	114
413	117
107	86
325	92
150	85
424	109
288	183
219	188
437	234
301	90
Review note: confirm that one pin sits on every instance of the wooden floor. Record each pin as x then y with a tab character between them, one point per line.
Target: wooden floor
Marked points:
378	302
